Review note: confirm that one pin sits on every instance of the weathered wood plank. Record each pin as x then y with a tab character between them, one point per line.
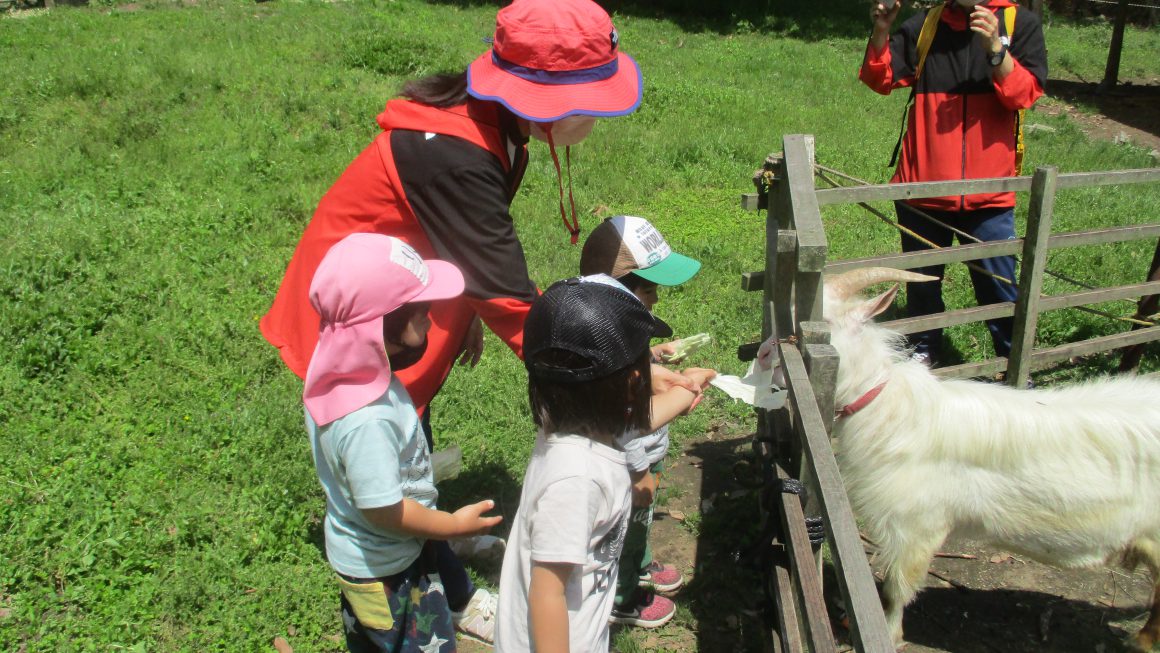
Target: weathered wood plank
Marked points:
1098	296
753	281
915	190
951	318
1130	358
1046	357
822	364
805	571
867	622
1103	236
974	251
1107	178
970	370
815	332
782	295
750	201
1050	356
807	296
807	218
1039	217
923	258
788	622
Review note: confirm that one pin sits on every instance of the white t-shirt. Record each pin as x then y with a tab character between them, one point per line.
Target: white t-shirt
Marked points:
573	509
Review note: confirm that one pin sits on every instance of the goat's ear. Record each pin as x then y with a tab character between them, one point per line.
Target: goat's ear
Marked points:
874	307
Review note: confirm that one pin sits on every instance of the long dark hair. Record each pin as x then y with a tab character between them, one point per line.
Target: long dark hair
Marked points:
613	405
439	90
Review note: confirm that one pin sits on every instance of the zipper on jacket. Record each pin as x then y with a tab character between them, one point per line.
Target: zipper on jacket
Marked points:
963	159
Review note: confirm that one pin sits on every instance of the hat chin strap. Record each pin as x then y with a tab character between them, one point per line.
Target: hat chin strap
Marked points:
573	227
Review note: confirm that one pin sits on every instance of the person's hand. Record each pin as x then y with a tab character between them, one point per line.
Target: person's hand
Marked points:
664	379
985	25
699	375
665	351
644	490
883	18
472	349
469	520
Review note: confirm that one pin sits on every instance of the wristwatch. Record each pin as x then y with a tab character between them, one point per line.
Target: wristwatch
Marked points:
997	58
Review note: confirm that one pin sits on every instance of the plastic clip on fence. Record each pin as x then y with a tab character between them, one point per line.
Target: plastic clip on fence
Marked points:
815	526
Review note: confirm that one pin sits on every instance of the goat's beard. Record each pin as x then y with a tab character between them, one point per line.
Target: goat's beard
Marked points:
407	357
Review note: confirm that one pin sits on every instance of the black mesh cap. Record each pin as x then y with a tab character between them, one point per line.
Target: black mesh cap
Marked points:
593	317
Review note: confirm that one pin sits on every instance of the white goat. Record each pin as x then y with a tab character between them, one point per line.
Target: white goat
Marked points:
1068	476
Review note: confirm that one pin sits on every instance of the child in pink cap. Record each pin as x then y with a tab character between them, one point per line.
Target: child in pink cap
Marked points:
373	293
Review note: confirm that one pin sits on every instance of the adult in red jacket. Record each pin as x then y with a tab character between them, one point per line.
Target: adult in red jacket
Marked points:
962	125
442	174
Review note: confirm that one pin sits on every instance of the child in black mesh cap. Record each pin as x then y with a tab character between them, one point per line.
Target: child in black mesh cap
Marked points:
586	350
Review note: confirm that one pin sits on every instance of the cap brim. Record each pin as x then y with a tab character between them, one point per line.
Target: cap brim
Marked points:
445	282
618	95
675	269
661	329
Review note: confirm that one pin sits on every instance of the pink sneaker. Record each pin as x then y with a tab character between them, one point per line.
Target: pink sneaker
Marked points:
652	611
660	577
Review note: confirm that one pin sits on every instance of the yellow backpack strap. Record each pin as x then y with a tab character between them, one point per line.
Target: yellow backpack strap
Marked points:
925	38
1020	147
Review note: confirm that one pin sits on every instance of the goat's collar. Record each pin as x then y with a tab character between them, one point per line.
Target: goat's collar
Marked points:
859	403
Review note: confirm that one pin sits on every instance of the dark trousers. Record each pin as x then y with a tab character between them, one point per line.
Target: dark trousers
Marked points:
924	298
456	582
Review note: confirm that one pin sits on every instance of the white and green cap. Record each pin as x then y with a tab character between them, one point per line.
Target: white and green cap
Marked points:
626	243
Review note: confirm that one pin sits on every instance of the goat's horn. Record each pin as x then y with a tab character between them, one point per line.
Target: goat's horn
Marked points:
846	284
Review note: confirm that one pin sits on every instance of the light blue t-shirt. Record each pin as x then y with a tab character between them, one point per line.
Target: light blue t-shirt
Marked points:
373	457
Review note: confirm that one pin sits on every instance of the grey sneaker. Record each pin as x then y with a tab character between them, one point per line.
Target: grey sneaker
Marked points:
477	620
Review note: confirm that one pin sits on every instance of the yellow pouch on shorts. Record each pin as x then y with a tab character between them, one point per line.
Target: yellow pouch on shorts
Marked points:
369	602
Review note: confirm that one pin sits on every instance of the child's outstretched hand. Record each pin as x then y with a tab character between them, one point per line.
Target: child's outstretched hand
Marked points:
471	521
666	352
700	376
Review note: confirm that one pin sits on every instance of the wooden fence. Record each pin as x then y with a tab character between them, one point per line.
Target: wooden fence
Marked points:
793	443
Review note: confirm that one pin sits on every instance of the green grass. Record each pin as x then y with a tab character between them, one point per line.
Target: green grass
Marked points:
156	169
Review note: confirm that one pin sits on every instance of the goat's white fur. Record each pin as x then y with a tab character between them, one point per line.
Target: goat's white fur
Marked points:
1068	476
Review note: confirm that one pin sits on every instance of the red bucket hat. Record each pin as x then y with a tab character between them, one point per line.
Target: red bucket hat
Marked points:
551	59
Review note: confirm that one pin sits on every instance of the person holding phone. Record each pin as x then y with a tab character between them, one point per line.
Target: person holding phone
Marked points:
968	84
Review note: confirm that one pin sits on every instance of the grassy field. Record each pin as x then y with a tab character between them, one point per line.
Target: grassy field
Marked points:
158	162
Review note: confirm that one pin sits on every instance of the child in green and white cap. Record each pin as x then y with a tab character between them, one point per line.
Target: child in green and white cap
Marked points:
632	251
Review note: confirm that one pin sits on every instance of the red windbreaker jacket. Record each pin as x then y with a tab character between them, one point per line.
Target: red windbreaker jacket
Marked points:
962	123
442	181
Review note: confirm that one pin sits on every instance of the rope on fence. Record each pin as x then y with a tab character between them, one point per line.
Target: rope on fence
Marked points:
821	172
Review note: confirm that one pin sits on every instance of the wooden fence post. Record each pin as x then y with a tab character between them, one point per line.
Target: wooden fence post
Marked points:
1131	356
1112	69
1031	275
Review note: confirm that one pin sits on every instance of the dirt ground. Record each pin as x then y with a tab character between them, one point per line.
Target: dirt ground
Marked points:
1130	112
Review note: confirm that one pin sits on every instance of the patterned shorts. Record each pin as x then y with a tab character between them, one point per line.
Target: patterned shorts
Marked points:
403	613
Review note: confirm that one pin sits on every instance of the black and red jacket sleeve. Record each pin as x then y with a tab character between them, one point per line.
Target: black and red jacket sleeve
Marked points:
460	195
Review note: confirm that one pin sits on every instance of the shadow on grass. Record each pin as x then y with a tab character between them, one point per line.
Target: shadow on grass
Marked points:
727	599
804	20
1129	104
